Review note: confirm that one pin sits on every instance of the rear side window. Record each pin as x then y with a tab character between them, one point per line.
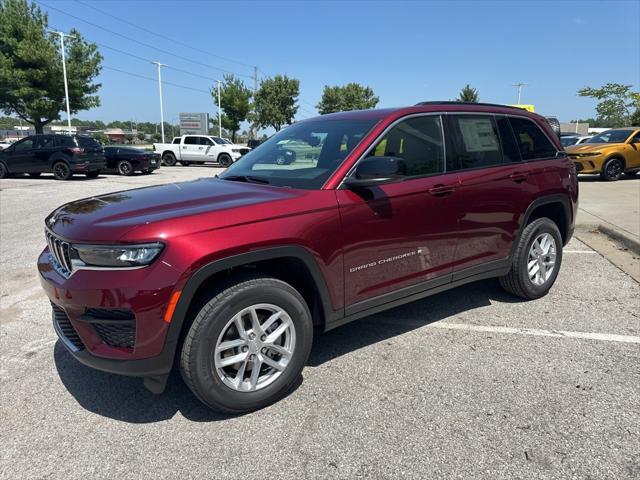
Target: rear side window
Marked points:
476	142
532	141
191	141
63	141
419	142
86	142
510	150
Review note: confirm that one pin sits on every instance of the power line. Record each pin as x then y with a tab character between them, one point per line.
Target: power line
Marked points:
195	62
163	37
155	80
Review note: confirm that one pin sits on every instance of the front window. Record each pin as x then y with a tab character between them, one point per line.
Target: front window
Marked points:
610	136
303	155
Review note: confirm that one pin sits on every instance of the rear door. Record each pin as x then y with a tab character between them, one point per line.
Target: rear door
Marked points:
44	146
400	234
495	189
191	149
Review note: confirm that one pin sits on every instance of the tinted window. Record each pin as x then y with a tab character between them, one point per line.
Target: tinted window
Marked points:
176	140
86	142
532	141
62	141
610	136
303	155
26	144
44	141
476	141
191	141
205	141
418	141
510	150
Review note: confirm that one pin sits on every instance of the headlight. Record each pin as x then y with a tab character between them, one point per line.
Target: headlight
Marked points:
114	255
236	150
590	154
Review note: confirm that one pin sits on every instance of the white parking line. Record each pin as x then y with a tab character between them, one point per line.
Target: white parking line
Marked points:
579	251
607	337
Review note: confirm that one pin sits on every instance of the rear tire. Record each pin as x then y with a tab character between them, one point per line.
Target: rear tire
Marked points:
224	159
92	174
125	168
4	172
61	171
612	169
169	159
232	388
531	276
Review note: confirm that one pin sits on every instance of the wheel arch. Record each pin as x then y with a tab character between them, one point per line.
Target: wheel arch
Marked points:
283	262
618	155
557	208
58	157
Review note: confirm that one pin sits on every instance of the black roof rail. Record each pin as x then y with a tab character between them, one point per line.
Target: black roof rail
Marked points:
453	102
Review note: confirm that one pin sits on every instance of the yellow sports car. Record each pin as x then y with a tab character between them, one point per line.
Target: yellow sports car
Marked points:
610	153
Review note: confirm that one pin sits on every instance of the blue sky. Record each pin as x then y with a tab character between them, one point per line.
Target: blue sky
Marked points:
406	51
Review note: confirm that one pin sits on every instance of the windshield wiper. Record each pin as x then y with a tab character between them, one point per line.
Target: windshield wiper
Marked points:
245	178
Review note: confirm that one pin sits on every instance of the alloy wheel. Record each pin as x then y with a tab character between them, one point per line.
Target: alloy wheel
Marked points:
254	348
541	261
124	168
61	171
614	168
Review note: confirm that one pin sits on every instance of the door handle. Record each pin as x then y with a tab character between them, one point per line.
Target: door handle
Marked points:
184	147
441	190
518	177
199	148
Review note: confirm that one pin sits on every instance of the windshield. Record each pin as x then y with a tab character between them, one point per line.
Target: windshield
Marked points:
566	141
303	155
610	136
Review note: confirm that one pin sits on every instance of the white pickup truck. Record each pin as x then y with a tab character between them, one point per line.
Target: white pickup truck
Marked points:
197	149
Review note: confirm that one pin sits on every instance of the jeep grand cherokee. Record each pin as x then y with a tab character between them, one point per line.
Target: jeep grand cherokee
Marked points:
232	276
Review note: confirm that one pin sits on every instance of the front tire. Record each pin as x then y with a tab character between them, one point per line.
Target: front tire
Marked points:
536	260
247	345
61	171
125	168
169	159
224	159
4	172
612	170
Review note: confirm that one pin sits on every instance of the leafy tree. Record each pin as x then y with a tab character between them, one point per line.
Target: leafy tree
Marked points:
615	102
469	94
129	138
140	136
31	84
234	99
635	118
275	102
351	96
101	137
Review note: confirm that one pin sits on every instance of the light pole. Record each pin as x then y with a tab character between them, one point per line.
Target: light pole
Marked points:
219	112
64	73
519	85
160	65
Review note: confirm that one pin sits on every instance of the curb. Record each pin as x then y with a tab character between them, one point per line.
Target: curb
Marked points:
618	236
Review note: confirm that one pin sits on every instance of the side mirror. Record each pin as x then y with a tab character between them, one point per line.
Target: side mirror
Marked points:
376	171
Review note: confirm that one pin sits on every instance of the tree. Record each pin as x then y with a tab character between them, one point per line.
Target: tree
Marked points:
635	118
468	94
615	102
140	136
31	84
351	96
101	137
275	102
234	99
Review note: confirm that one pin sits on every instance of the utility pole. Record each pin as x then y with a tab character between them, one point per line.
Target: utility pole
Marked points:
519	85
160	65
64	73
253	132
219	112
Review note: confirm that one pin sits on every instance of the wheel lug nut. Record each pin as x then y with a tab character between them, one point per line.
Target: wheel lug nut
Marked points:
252	357
244	349
252	336
264	350
263	338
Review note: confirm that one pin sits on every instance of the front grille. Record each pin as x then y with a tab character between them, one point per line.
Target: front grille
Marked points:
60	254
120	334
65	328
115	327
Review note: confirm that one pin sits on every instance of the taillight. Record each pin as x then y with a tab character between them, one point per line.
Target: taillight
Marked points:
76	150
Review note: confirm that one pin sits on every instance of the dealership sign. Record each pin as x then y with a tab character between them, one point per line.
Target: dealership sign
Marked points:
194	123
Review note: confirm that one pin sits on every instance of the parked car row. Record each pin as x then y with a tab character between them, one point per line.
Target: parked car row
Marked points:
66	155
199	149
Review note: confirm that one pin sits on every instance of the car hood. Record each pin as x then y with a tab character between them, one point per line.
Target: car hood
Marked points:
109	217
591	147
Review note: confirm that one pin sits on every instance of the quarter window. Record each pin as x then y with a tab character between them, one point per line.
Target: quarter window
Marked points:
476	142
418	141
532	142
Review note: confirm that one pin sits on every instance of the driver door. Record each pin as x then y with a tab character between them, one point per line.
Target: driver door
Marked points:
400	237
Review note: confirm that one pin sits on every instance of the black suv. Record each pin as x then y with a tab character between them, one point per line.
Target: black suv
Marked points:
62	155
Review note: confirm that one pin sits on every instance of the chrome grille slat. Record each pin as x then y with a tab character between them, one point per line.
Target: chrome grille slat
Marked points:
60	254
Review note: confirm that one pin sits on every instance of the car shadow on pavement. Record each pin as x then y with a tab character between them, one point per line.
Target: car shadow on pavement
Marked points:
125	398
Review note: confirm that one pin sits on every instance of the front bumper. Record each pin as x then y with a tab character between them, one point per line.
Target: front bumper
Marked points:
114	329
587	164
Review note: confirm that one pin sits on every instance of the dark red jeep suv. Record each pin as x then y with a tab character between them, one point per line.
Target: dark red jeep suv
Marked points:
231	276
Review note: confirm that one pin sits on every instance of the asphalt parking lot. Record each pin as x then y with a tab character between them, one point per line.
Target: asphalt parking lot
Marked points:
465	384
